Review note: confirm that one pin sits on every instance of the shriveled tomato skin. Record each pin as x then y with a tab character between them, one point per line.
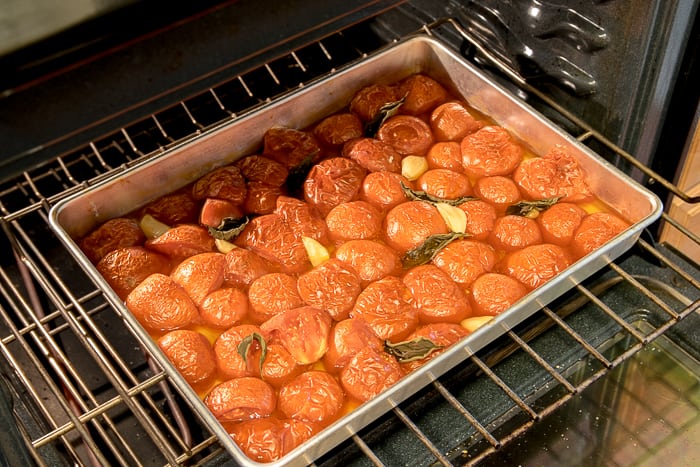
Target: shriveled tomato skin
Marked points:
125	268
441	334
275	241
452	121
338	129
423	94
200	275
183	241
465	260
511	233
371	259
373	155
280	366
367	102
332	286
259	168
230	363
490	151
313	396
191	354
115	233
215	210
408	135
481	218
261	198
173	209
560	222
269	439
409	224
385	305
224	307
595	230
493	293
383	189
302	218
348	337
160	304
435	295
332	182
243	267
241	399
223	183
290	147
272	294
302	331
445	184
368	373
536	264
354	220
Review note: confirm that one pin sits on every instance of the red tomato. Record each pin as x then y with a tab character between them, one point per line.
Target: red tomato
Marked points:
373	155
348	337
261	198
436	297
445	184
422	93
354	220
595	230
332	286
280	366
216	210
173	209
465	260
241	399
383	189
371	259
408	135
493	293
191	354
338	129
125	268
224	308
367	102
290	147
385	305
368	373
313	396
224	183
333	181
183	241
410	223
261	439
243	267
160	304
490	151
512	233
452	121
445	155
199	275
271	294
115	233
559	223
256	168
303	331
273	239
481	218
228	361
440	334
497	190
536	264
302	218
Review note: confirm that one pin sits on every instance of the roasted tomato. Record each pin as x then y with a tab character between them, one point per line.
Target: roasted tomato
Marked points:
125	268
228	361
385	305
313	396
442	335
256	168
368	101
224	183
173	209
373	155
371	259
336	130
559	223
354	220
408	135
534	265
410	223
271	294
333	181
224	308
498	190
215	210
280	366
261	198
200	275
557	174
481	218
348	337
436	297
332	286
445	155
465	260
274	240
445	184
243	267
493	293
183	241
452	121
115	233
160	304
241	399
268	439
422	93
290	147
383	189
302	331
302	218
595	230
490	151
368	373
512	233
191	354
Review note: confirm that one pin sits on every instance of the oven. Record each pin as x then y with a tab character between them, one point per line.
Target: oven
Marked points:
607	374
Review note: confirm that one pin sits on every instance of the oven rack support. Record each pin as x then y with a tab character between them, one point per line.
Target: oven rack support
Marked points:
98	412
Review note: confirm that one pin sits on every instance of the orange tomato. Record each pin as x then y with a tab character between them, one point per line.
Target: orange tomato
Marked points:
243	267
271	294
302	331
536	264
333	181
337	129
261	198
354	220
452	121
445	155
465	260
191	354
302	218
290	147
125	268
371	259
493	293
436	297
160	304
332	286
313	396
216	210
173	209
559	223
115	233
441	334
257	168
241	399
595	230
368	373
385	305
280	366
490	151
199	275
383	189
498	190
223	183
422	93
408	135
273	239
224	308
445	184
410	223
512	233
367	102
373	154
261	439
228	361
481	218
183	241
347	338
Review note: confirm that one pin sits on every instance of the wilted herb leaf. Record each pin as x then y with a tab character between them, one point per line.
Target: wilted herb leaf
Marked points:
229	228
429	248
297	175
417	195
387	110
408	351
531	209
244	347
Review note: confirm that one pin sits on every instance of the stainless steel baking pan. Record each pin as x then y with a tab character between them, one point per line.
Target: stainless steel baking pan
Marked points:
123	193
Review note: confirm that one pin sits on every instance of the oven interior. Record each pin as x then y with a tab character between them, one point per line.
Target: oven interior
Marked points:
606	375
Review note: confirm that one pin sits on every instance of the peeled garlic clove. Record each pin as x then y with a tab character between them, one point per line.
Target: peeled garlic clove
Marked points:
474	323
316	252
152	227
412	167
455	218
223	246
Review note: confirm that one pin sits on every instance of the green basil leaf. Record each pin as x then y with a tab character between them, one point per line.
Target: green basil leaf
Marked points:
429	248
247	342
408	351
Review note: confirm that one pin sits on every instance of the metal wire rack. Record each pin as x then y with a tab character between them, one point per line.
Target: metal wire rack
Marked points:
84	393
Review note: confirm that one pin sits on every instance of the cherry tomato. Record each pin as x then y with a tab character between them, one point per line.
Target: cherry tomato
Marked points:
490	151
224	183
465	260
243	267
422	93
216	210
385	305
559	223
493	293
160	304
228	361
408	135
313	396
303	331
273	239
445	184
333	181
371	259
257	168
337	129
200	275
290	147
271	294
373	155
515	232
452	121
302	218
445	155
498	190
481	218
367	102
125	268
280	366
348	337
241	399
183	241
224	308
383	189
173	209
191	354
368	373
536	264
261	439
410	223
595	230
436	297
261	198
115	233
332	286
354	220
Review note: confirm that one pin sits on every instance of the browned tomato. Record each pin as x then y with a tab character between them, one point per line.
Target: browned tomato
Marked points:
224	183
481	217
183	241
280	366
452	121
290	147
436	297
273	239
199	275
559	222
159	304
125	268
371	259
332	286
354	220
302	218
115	233
422	93
498	190
224	308
440	334
243	267
367	102
191	354
271	294
337	129
241	399
490	151
216	210
385	305
373	155
333	181
534	265
493	293
302	331
173	209
383	189
348	337
595	230
557	174
465	260
256	168
313	396
445	184
261	198
228	360
410	223
515	232
445	155
368	373
408	135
